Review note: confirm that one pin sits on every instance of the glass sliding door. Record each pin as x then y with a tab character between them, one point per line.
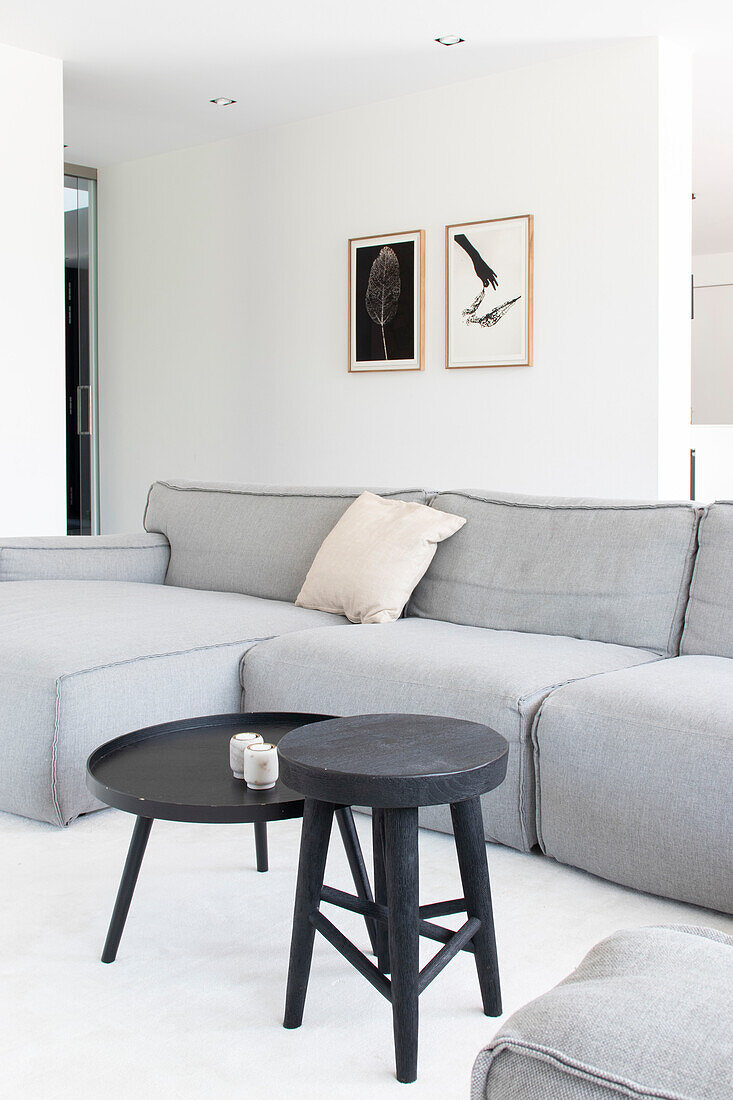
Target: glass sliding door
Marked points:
80	289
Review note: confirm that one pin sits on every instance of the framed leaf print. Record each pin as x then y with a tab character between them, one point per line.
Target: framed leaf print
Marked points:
387	302
488	293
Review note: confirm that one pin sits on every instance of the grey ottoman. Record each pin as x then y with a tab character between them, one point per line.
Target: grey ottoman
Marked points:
648	1013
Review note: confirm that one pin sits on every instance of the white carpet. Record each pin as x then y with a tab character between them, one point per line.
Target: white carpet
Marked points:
193	1006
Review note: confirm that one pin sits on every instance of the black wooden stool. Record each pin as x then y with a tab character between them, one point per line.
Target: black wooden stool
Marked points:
394	763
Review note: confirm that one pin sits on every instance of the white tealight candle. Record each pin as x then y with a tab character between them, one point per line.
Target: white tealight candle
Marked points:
237	745
261	767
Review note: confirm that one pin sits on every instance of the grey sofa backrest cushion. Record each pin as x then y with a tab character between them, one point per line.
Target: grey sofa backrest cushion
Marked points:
247	538
709	620
610	571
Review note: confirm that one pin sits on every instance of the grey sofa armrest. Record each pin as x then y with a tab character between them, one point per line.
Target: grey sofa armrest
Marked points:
85	558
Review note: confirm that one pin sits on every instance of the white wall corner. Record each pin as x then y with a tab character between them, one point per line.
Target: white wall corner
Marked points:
675	266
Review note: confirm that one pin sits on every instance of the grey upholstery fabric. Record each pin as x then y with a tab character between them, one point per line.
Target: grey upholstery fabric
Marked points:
141	558
81	662
610	571
240	538
424	667
647	1014
634	775
709	620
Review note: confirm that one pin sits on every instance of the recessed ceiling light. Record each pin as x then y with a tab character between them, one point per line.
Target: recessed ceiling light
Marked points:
222	101
449	39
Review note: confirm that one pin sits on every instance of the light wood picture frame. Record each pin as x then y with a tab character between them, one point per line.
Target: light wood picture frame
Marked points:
489	295
387	302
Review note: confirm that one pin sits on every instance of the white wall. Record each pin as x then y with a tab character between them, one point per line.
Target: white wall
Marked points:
675	248
223	309
32	422
712	348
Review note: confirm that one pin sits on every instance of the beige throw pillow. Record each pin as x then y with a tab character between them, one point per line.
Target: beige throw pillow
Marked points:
373	558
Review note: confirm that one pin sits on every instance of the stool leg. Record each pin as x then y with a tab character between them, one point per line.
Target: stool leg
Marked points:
355	856
316	832
468	827
402	873
380	889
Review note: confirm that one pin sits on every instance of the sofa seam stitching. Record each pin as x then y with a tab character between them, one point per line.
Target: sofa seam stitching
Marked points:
170	653
549	1055
242	662
275	496
85	549
147	505
583	713
538	784
652	506
54	753
693	578
689	560
521	785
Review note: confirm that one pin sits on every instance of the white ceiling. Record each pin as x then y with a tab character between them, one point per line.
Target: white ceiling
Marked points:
139	75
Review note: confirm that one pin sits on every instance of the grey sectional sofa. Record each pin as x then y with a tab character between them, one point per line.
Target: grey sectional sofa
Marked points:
568	625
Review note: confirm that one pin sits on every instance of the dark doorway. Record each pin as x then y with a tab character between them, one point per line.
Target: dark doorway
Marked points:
81	441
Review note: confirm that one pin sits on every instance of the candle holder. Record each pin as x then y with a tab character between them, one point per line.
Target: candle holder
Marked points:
237	745
261	766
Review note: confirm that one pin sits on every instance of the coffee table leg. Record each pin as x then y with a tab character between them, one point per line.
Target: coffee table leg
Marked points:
261	845
355	856
314	838
135	854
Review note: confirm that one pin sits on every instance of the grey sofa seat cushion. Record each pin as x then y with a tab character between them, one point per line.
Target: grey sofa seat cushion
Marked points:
611	571
85	557
634	774
247	538
81	662
647	1014
425	667
709	619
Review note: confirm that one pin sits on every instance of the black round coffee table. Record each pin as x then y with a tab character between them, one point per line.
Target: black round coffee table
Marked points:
179	771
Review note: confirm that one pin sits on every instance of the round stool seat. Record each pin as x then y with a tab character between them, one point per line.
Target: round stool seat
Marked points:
393	760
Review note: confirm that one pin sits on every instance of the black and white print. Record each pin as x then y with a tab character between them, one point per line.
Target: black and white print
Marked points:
386	302
489	293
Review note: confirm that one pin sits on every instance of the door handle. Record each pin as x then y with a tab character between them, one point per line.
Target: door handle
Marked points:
83	410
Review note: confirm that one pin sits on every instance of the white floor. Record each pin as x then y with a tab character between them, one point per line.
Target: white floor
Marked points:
193	1006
